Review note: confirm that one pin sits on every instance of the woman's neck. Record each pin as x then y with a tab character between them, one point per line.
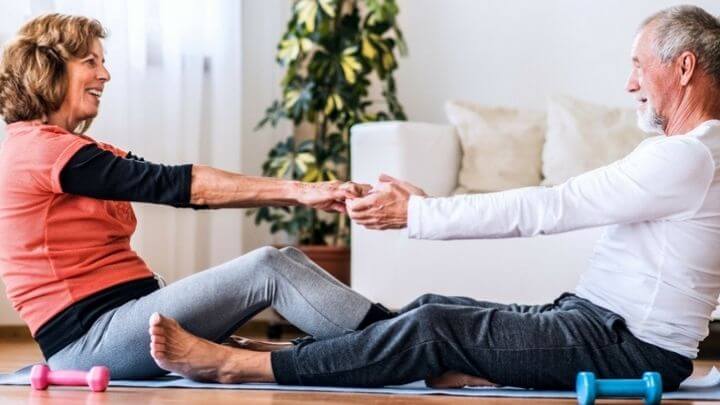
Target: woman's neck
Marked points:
63	120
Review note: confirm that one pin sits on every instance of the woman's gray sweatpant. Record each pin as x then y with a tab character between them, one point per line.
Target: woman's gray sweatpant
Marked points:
212	304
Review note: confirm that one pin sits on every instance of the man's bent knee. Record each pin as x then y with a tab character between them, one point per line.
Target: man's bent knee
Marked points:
430	298
430	314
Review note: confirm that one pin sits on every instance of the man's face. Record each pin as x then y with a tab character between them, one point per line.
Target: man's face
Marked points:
652	84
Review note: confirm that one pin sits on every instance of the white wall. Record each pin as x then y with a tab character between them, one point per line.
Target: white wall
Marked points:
516	53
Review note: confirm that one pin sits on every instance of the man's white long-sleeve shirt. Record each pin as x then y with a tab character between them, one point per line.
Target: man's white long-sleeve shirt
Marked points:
658	262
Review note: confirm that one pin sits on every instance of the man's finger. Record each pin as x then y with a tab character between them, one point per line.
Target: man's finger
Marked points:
363	217
387	178
358	214
402	183
374	221
365	203
354	215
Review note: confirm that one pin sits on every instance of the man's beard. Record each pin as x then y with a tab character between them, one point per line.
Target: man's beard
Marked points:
650	121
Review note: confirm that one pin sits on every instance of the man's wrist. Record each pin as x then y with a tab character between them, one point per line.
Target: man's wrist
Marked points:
414	210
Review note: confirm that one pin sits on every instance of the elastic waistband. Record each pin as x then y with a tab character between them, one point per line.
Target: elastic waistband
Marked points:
569	301
76	320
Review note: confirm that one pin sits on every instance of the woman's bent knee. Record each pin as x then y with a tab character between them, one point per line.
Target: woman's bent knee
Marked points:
263	255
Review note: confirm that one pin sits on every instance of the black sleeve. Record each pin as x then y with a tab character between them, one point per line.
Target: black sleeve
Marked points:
97	173
132	156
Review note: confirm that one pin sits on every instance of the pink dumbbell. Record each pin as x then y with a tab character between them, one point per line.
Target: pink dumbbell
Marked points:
97	378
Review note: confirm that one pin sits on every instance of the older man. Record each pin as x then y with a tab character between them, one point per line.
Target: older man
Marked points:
643	303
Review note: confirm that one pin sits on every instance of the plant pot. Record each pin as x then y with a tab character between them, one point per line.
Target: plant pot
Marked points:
334	259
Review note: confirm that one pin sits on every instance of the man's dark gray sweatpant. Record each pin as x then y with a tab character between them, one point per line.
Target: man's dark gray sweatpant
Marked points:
539	346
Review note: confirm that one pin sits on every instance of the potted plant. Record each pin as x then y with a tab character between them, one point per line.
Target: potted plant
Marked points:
332	52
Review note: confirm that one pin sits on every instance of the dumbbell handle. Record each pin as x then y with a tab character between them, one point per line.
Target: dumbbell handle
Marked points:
620	387
67	377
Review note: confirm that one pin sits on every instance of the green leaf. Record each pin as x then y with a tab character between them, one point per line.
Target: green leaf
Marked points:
368	48
388	60
288	51
334	102
350	64
306	12
328	7
291	97
273	115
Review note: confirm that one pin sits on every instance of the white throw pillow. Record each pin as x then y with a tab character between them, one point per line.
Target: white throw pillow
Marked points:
502	147
583	136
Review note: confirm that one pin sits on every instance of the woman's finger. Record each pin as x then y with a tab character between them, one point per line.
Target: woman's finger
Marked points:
339	207
355	189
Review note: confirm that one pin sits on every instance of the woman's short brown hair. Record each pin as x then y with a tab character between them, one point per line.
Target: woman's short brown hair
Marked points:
33	73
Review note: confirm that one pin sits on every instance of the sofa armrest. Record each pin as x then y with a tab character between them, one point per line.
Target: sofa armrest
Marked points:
426	155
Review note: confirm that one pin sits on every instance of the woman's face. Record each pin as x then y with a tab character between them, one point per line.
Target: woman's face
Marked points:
86	80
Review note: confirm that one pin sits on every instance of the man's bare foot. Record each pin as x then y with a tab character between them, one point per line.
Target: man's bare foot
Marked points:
256	344
175	349
454	379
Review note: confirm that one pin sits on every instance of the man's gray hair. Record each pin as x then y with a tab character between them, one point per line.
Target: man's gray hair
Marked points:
688	28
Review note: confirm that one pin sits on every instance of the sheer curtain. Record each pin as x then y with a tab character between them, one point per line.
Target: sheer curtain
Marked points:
175	97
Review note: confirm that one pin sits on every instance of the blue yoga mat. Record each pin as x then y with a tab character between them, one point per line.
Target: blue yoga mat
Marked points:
702	388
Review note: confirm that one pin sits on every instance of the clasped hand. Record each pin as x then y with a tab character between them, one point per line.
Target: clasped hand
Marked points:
331	195
383	206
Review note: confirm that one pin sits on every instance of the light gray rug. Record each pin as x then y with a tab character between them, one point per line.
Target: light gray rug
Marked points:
701	388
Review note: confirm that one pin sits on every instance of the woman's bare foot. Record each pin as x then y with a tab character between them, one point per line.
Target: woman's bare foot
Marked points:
454	379
175	349
256	344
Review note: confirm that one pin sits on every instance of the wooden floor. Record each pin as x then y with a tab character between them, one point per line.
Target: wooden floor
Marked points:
15	353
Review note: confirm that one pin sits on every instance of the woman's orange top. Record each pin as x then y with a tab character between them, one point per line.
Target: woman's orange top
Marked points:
57	248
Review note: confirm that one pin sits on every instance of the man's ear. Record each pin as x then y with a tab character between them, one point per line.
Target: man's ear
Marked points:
687	62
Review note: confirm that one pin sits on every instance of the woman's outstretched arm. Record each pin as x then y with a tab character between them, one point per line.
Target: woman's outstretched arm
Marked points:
97	173
218	188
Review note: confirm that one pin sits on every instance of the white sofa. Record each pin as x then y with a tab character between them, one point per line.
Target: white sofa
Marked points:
392	269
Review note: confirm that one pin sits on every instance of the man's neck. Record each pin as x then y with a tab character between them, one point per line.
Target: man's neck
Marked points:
693	110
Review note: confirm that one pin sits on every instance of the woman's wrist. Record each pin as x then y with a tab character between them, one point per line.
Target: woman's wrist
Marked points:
295	190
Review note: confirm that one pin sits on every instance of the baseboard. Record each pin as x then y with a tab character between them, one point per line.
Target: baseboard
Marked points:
14	332
710	347
264	329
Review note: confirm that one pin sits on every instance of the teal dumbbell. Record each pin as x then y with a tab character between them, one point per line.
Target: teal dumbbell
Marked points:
588	388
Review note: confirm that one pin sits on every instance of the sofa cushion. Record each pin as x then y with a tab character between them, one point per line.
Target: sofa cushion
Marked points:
583	136
501	147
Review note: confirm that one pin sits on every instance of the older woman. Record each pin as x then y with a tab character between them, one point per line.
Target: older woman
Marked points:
66	222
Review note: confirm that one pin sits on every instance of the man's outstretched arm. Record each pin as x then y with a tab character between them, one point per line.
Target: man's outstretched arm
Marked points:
664	179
